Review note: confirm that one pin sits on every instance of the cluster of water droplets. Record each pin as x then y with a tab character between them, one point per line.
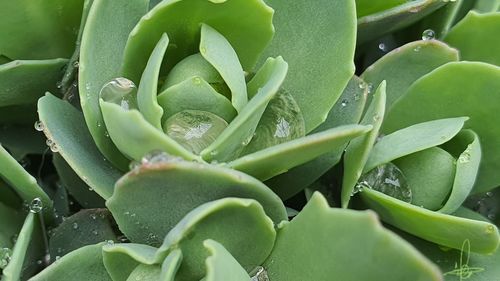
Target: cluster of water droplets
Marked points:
259	274
465	156
154	157
388	179
39	126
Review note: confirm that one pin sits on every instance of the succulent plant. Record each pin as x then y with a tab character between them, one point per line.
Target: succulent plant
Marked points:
249	140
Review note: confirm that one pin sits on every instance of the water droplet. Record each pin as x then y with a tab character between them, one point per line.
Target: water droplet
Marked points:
417	49
344	103
197	80
247	141
382	47
5	256
53	147
362	85
428	34
389	180
59	84
76	64
282	128
194	129
120	91
58	257
49	142
39	126
75	226
259	274
36	205
95	232
370	87
110	242
93	216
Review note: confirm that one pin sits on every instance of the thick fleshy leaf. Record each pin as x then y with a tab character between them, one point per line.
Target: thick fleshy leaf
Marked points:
412	139
473	35
195	94
466	170
145	272
11	223
246	24
404	65
442	19
310	235
76	187
219	52
430	174
24	184
367	7
135	137
375	25
106	31
347	110
275	160
358	150
171	265
65	126
240	225
121	259
458	264
485	6
12	272
221	265
23	82
147	92
39	30
446	230
87	227
315	81
82	264
262	88
146	203
449	91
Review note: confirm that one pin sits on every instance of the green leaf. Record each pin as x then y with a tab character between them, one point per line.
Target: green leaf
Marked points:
221	265
442	19
413	139
246	24
82	264
145	272
219	52
135	137
485	6
79	190
404	65
106	31
375	25
147	201
195	94
262	88
457	89
240	225
14	269
446	230
277	159
87	227
367	7
39	30
347	110
171	265
12	221
65	126
20	140
147	92
121	259
358	150
473	35
466	171
430	174
376	249
23	82
24	184
315	81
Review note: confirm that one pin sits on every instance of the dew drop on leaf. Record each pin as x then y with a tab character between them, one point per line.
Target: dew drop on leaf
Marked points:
194	129
259	274
428	34
120	91
39	126
36	205
388	179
